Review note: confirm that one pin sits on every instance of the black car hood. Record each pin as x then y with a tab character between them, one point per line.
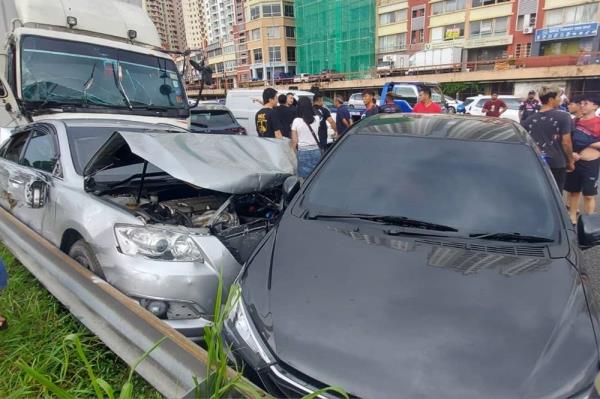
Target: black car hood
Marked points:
393	317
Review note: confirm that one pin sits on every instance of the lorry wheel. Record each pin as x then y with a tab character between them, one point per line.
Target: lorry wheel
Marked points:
83	253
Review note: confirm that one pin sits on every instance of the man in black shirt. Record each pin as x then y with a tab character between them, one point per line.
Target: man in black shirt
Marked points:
285	115
551	129
325	116
266	120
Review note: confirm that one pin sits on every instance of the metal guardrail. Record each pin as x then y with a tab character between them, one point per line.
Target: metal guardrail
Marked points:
125	327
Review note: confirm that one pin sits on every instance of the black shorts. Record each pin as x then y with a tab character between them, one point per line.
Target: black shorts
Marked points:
584	179
560	175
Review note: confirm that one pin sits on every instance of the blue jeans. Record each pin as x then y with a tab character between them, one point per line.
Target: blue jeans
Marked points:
307	161
3	276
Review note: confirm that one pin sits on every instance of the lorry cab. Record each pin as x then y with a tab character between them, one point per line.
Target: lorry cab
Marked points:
86	59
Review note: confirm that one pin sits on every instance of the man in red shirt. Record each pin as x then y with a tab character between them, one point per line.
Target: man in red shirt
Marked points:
494	107
425	104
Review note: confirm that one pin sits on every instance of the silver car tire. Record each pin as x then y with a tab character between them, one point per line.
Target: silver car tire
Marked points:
83	253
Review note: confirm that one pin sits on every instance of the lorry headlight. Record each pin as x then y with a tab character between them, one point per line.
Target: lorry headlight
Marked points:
156	243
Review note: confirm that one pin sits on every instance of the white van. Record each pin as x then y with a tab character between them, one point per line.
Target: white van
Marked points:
245	103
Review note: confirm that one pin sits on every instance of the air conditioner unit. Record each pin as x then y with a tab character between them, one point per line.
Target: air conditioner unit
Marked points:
528	30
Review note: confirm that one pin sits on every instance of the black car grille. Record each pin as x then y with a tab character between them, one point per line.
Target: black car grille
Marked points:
523	250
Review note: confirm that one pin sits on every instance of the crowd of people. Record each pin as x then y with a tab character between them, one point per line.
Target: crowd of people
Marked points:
304	122
567	133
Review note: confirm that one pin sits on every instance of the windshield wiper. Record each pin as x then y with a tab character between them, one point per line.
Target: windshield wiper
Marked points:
510	237
387	220
120	87
88	84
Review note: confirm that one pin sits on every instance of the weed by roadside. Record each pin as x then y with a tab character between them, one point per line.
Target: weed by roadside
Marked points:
46	352
38	323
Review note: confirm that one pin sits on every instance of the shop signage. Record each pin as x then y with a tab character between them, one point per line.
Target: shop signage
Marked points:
566	32
488	41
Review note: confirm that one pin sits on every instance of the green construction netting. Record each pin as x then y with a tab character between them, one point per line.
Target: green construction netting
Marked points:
335	34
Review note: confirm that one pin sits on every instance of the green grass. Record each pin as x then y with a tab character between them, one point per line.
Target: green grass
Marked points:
38	325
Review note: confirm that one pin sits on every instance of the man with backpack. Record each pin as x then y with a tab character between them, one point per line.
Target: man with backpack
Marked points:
325	117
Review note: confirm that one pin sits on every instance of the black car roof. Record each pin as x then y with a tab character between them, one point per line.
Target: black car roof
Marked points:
443	126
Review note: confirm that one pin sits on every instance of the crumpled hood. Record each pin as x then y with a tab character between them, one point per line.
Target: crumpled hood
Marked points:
392	317
229	164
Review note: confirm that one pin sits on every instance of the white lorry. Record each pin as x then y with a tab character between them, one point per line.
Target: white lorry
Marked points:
446	59
64	59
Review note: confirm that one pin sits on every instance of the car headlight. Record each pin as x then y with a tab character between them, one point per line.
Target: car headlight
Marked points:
156	243
241	333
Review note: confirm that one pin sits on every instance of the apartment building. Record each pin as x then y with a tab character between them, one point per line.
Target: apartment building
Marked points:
485	30
271	37
167	16
221	58
195	25
218	18
240	39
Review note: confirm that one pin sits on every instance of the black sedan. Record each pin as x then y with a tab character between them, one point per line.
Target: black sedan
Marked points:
214	118
425	257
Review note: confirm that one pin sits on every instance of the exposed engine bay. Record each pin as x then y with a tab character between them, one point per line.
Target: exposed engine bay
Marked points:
240	221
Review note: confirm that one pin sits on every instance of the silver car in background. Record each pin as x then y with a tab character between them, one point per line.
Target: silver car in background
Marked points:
157	212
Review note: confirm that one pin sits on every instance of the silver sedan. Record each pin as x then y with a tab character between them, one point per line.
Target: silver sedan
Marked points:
157	212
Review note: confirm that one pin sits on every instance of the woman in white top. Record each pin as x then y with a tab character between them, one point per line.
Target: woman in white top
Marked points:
305	130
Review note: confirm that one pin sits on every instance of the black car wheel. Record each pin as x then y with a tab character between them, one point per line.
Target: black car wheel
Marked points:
451	110
83	253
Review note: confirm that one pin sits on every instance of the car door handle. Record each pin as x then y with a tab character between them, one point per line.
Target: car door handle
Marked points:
16	181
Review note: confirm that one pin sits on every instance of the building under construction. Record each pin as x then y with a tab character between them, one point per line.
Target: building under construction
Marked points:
335	34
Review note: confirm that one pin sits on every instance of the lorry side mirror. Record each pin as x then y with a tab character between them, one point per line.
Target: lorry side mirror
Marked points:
36	194
207	76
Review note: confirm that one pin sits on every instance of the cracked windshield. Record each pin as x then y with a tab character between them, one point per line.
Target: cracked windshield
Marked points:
59	72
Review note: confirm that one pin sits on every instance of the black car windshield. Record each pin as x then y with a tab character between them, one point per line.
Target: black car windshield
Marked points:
64	72
212	118
473	186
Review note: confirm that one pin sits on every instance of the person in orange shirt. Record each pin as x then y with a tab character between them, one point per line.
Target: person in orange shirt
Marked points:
426	104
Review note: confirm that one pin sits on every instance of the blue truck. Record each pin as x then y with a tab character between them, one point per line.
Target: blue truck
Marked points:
406	94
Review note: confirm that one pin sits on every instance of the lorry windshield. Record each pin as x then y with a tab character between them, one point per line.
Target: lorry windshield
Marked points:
61	72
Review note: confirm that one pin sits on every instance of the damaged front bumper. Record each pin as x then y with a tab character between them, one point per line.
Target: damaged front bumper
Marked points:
180	293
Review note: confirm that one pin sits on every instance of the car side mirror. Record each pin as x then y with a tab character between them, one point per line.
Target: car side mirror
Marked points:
36	194
2	91
291	185
588	230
